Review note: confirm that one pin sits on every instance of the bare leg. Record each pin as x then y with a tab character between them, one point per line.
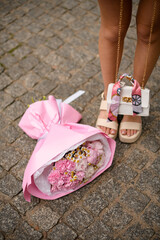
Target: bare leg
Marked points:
108	42
144	18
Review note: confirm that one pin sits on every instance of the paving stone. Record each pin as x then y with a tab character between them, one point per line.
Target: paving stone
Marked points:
46	19
58	11
35	12
95	202
62	205
28	63
152	215
42	69
156	166
135	200
87	5
44	217
5	100
68	17
53	59
57	25
27	143
15	110
4	81
8	60
16	89
41	51
136	231
8	218
59	75
156	237
1	236
77	25
97	230
155	103
116	217
19	168
8	18
46	86
4	36
94	86
15	72
79	219
1	67
69	4
147	180
83	100
88	118
22	35
9	45
151	143
9	185
124	173
22	51
26	232
34	27
54	43
138	159
35	41
22	205
63	91
110	189
62	232
9	157
30	79
14	27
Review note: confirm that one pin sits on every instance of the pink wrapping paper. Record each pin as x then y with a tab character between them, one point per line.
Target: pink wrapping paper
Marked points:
57	131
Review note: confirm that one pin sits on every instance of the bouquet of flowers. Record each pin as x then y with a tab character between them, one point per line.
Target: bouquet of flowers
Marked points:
76	166
67	155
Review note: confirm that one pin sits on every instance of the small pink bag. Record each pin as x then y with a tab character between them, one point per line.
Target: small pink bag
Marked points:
54	124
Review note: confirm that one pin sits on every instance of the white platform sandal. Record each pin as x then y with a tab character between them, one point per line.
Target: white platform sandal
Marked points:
130	126
103	122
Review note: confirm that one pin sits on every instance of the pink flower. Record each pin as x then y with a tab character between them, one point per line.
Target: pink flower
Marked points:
93	156
61	165
53	176
95	145
80	175
70	165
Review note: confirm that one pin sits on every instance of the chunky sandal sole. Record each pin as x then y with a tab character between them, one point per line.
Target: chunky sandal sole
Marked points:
131	126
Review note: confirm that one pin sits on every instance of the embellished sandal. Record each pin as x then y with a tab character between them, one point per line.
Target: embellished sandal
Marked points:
103	122
130	125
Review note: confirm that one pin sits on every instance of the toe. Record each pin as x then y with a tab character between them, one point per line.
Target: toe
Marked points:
128	132
132	132
107	131
123	131
112	131
135	131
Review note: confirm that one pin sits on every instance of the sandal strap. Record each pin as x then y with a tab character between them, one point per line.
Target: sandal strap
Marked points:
103	105
103	122
131	125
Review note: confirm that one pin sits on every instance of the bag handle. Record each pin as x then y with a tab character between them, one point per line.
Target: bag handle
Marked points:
119	40
129	77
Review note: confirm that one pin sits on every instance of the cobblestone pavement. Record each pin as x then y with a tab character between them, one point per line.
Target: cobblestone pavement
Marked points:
51	47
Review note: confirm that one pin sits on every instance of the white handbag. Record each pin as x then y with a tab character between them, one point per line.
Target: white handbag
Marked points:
125	106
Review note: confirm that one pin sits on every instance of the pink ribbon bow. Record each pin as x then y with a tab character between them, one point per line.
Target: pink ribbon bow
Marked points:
115	98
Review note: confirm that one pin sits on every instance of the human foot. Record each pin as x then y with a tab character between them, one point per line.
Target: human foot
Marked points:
104	115
110	128
130	129
129	118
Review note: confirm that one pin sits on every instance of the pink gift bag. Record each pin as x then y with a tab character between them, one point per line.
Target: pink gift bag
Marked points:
66	153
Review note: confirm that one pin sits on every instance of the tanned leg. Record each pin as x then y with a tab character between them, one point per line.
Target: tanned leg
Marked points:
144	19
108	42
